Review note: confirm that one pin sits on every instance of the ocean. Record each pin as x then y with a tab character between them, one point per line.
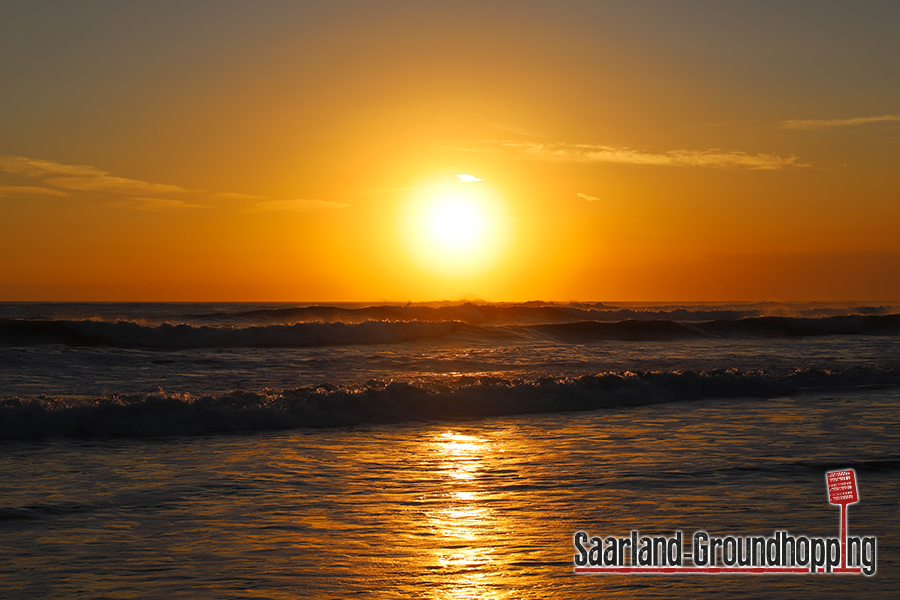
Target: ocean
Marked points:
444	450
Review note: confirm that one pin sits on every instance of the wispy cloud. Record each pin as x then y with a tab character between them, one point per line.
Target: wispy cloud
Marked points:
85	181
298	205
825	123
587	197
118	185
34	167
237	196
153	204
81	177
444	182
515	130
674	158
466	178
11	191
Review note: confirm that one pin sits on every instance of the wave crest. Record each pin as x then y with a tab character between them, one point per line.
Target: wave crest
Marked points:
126	334
393	402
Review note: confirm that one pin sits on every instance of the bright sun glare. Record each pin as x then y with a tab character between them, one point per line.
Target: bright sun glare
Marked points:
454	229
455	223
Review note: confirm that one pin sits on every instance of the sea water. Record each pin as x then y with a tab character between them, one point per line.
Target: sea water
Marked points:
441	451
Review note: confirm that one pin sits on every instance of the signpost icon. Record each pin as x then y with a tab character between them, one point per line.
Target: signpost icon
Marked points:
842	490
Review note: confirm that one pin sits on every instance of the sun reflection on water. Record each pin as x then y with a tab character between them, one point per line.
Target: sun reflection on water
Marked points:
465	454
463	519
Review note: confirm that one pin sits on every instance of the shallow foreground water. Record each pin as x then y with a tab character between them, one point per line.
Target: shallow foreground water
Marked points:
473	509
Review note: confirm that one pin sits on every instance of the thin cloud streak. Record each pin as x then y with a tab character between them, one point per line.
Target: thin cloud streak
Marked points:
162	204
297	205
109	183
152	204
34	167
82	177
237	196
825	123
587	197
122	192
674	158
515	130
13	191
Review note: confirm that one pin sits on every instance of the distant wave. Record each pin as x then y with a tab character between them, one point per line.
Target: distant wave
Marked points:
481	314
472	313
765	327
529	313
125	334
392	402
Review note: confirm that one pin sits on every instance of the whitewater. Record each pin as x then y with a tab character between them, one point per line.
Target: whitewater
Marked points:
157	369
445	450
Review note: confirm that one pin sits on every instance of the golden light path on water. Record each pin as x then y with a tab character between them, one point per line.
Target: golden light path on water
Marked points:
447	511
466	518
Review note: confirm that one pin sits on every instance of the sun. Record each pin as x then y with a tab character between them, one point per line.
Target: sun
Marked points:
454	229
455	223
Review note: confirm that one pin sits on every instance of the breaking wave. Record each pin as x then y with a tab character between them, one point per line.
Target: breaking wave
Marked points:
392	402
127	334
530	313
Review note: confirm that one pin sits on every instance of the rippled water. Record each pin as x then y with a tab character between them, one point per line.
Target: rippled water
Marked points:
465	509
167	451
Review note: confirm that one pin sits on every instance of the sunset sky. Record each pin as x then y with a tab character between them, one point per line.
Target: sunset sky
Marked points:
396	151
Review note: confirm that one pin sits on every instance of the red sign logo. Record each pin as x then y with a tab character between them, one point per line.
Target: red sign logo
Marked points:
842	487
842	490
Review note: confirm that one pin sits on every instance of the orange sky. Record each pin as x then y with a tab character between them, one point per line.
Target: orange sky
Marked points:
645	151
